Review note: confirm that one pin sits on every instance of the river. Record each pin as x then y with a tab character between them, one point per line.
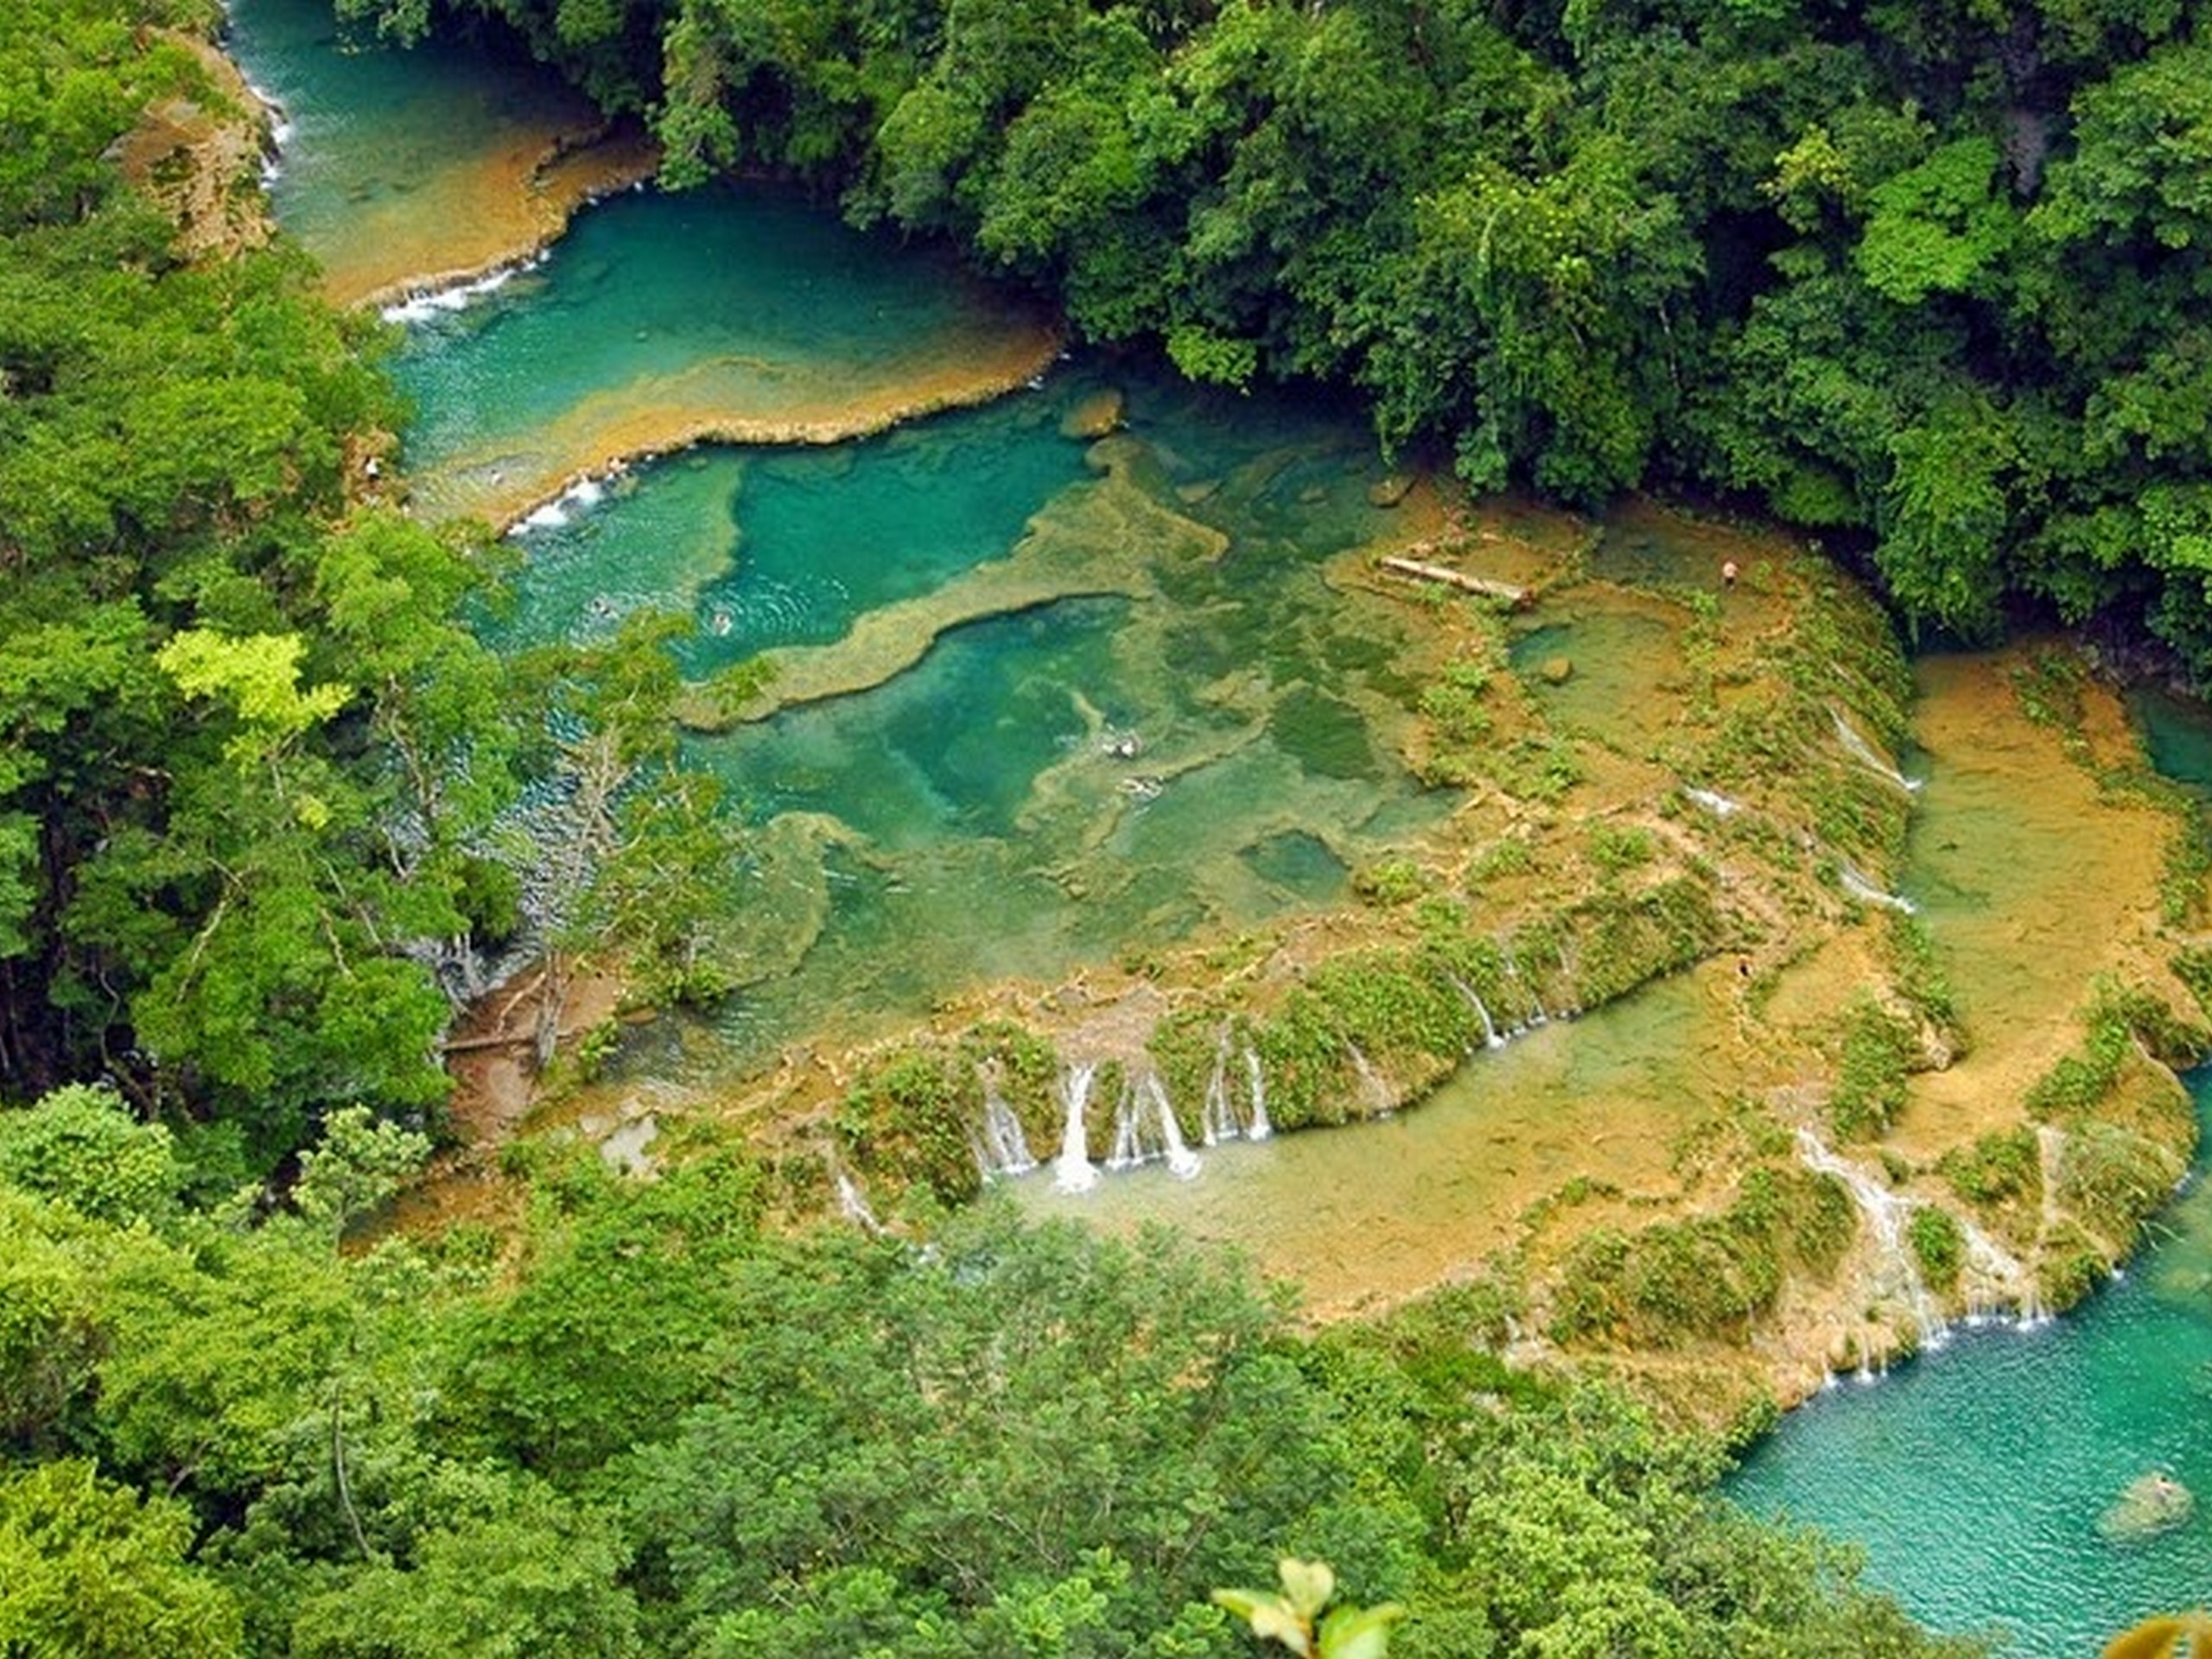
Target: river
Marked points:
1128	700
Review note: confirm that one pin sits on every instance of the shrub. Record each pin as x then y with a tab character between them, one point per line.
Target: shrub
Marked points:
1938	1244
1879	1049
2002	1165
912	1119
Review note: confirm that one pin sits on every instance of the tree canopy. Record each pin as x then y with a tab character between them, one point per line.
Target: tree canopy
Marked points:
1928	276
648	1421
259	776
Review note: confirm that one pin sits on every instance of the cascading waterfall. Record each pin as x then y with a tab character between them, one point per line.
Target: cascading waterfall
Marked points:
1863	753
1371	1085
1182	1162
1898	1273
854	1204
1145	1128
1217	1119
1004	1149
1712	801
1128	1139
1259	1129
1072	1171
1536	1016
1490	1038
2050	1152
1996	1279
1866	893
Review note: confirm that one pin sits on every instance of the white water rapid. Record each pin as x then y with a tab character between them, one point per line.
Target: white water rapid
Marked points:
1072	1171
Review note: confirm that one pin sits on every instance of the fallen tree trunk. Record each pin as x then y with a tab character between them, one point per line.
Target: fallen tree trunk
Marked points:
1482	585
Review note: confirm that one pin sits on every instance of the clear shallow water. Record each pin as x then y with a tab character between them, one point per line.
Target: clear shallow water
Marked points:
766	548
397	163
659	316
1166	734
1974	1477
1381	1211
1080	777
1056	769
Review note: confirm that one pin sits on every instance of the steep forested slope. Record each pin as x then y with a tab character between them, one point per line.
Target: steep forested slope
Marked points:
251	754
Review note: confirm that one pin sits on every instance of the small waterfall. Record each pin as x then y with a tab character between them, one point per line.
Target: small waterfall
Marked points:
1719	805
1259	1129
1128	1136
1866	893
1490	1038
1071	1170
1182	1162
1536	1016
1898	1274
854	1202
421	305
1218	1120
1145	1128
2050	1153
1863	751
1371	1086
1994	1277
1004	1149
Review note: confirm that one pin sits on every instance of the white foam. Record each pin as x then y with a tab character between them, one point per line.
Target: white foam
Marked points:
423	306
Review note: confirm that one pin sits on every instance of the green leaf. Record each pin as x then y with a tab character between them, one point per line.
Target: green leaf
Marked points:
1354	1633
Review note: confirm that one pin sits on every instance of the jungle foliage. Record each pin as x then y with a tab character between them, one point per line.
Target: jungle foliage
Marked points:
257	775
649	1423
1928	276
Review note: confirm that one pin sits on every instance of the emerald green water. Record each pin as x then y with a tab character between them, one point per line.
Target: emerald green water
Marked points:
1080	777
1123	704
1974	1477
764	548
384	152
657	316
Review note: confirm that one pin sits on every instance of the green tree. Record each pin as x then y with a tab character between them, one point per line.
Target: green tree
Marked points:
81	1145
90	1568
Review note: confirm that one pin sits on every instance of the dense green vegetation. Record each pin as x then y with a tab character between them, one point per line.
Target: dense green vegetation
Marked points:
259	823
649	1424
1931	274
257	770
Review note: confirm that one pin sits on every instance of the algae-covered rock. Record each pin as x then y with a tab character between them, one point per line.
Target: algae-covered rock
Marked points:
1096	416
1389	491
2152	1504
1556	670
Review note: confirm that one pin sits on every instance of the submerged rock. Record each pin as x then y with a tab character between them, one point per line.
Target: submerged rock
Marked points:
2152	1503
1556	670
1389	491
1095	417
